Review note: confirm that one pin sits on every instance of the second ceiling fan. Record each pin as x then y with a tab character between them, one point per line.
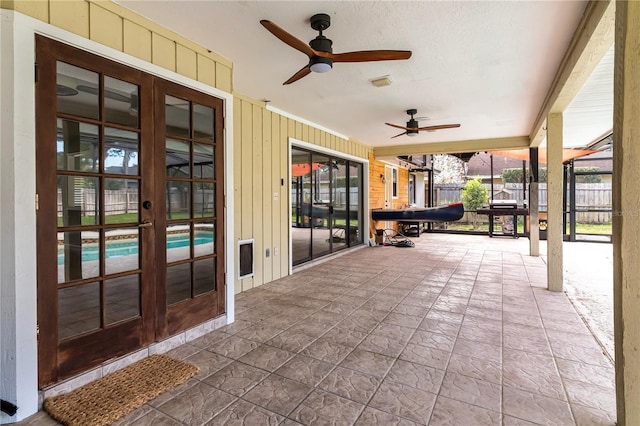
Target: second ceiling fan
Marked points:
320	52
412	128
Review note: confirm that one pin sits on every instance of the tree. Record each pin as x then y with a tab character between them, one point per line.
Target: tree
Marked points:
451	169
474	196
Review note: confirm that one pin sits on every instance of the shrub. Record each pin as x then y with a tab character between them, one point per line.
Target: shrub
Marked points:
474	196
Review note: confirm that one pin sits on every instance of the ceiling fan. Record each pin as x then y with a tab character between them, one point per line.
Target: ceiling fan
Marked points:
412	129
320	52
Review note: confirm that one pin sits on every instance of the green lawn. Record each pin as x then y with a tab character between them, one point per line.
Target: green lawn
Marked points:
581	228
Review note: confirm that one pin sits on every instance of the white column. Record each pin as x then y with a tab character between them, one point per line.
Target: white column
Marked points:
626	207
554	202
18	346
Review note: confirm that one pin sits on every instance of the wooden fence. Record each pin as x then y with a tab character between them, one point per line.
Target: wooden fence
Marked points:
589	197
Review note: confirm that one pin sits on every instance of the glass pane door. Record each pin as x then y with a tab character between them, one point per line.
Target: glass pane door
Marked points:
130	209
321	205
190	192
339	204
301	169
94	281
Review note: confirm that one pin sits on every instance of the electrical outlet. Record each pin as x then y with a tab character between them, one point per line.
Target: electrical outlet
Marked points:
276	195
275	251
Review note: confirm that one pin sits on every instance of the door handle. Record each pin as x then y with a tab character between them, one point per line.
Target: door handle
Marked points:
145	224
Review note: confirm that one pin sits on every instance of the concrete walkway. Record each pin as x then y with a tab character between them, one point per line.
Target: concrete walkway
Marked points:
458	330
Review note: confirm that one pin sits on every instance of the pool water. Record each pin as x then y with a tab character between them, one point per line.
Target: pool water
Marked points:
127	248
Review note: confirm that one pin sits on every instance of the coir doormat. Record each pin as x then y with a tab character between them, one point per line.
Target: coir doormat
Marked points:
107	399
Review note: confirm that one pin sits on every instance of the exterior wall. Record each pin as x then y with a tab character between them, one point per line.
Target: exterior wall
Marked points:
261	182
114	26
377	186
259	152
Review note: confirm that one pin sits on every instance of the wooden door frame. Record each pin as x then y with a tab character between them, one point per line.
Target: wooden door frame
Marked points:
61	359
170	319
48	337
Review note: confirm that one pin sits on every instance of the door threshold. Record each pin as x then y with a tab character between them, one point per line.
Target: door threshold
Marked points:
112	365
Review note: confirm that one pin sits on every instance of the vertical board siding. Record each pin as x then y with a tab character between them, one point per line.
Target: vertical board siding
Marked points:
257	193
163	52
276	213
114	26
261	138
237	189
261	159
137	41
72	16
246	186
206	70
285	214
223	77
105	27
36	9
267	198
186	62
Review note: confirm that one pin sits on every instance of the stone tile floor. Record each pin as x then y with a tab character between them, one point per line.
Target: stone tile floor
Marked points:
459	330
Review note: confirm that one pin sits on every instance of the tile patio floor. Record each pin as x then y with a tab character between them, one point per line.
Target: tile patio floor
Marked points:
459	330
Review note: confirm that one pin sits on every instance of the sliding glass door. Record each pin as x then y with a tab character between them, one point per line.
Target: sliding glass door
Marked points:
326	204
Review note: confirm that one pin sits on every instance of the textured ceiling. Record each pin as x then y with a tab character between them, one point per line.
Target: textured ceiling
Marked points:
484	64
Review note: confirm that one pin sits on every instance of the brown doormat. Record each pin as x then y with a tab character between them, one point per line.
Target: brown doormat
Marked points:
107	399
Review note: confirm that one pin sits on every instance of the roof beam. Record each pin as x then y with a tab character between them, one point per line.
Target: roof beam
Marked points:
475	145
592	39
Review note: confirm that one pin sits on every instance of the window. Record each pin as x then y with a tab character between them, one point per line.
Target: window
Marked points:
412	189
394	182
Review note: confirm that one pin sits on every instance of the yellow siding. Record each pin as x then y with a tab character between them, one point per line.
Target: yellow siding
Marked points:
137	41
223	78
284	200
72	15
246	186
163	52
38	9
186	62
267	197
257	193
261	170
237	189
105	27
114	26
261	137
276	175
206	70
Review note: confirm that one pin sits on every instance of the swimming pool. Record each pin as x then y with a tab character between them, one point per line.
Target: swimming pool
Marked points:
127	248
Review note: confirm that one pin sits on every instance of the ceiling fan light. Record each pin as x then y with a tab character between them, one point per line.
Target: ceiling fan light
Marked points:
412	133
320	64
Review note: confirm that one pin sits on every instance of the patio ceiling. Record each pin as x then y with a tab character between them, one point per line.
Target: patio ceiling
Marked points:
496	68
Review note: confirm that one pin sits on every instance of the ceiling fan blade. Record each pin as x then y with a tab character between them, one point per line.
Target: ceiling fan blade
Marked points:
398	127
288	38
403	133
371	55
297	76
442	126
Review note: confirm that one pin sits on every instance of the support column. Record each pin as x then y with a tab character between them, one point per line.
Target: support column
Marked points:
534	204
626	209
554	202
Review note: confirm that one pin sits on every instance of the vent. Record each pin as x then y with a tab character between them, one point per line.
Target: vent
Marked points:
381	81
245	259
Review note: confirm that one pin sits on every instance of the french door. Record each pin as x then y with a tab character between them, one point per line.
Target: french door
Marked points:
129	221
